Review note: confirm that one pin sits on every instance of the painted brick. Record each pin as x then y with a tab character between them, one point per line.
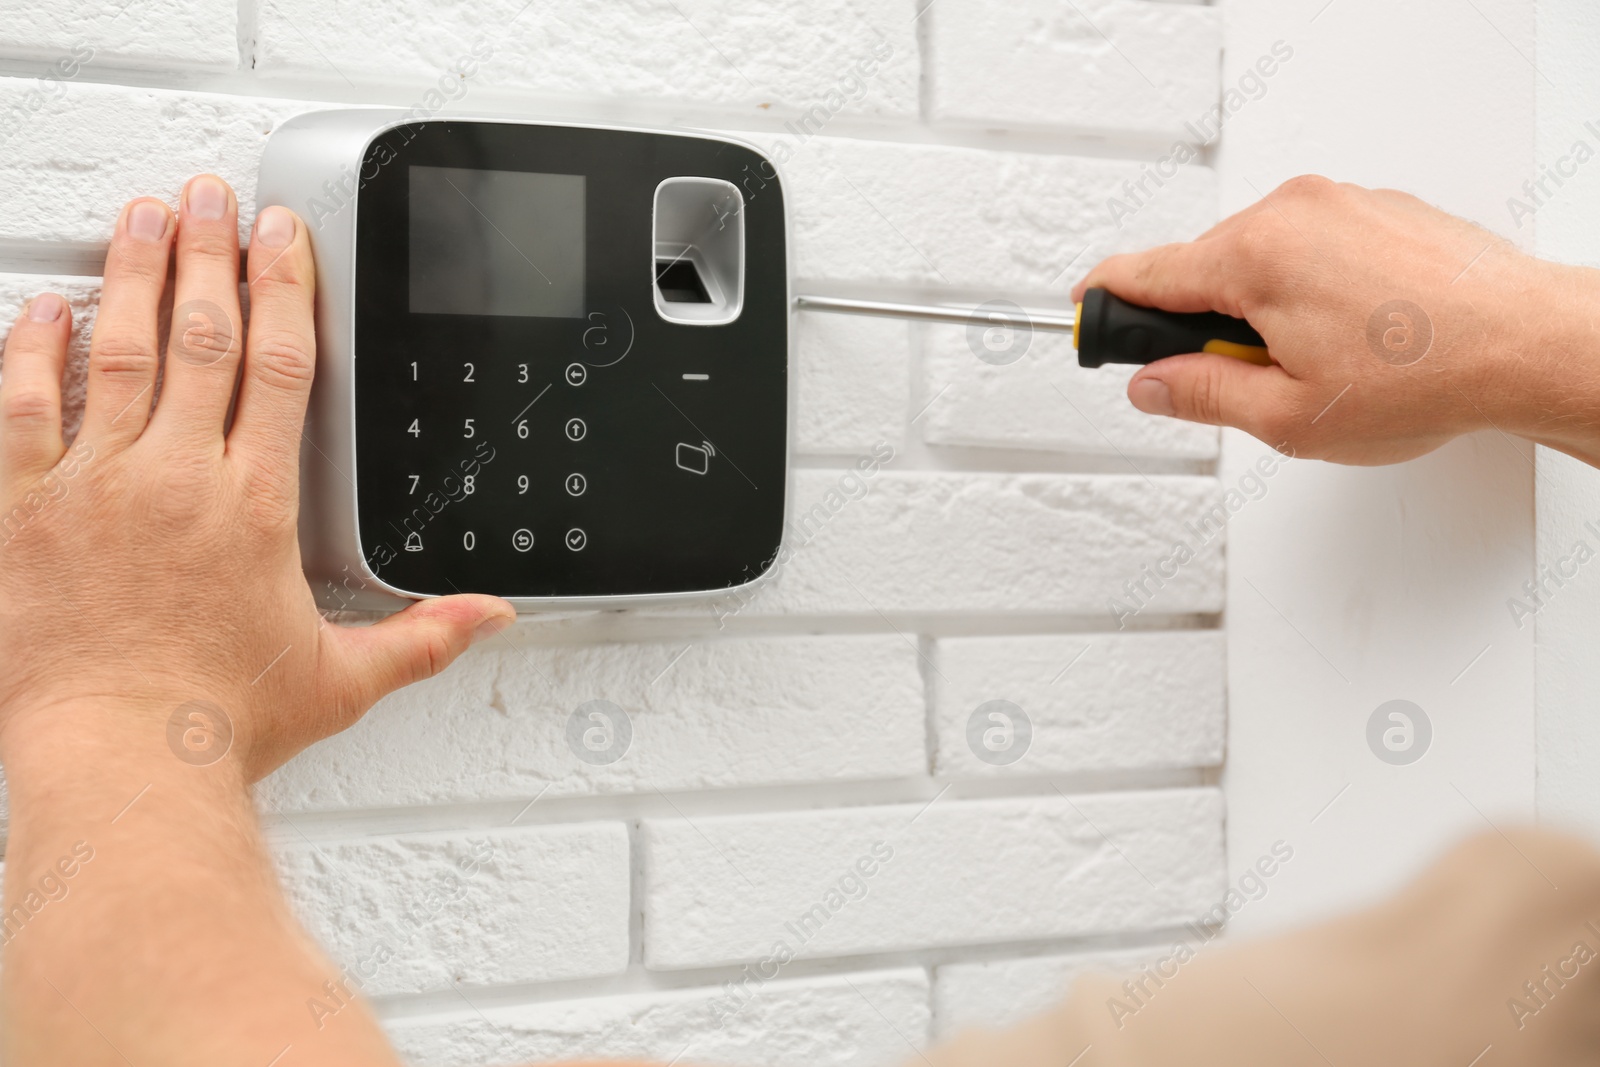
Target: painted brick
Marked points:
870	1019
69	167
854	382
724	713
1104	65
1043	400
170	35
862	210
771	56
1094	701
995	994
83	296
997	222
730	889
936	542
411	913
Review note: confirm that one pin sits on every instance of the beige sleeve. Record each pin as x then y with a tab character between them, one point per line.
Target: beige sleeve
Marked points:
1491	958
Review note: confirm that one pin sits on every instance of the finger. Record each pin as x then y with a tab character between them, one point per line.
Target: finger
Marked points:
30	388
204	348
417	643
124	352
1218	391
280	350
1175	277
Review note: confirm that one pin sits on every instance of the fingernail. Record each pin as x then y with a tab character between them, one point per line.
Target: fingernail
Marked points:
489	627
1151	396
207	198
275	227
147	221
46	307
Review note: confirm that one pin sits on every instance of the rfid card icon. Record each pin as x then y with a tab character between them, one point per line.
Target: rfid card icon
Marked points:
696	459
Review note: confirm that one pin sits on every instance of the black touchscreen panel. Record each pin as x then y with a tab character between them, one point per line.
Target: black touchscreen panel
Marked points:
526	423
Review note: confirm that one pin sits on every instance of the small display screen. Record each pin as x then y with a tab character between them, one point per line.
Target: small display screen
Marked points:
497	242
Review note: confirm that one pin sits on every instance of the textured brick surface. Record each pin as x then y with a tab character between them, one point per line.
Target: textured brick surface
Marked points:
1042	400
768	56
170	35
869	211
420	911
863	1020
723	713
68	169
1094	701
854	382
726	889
1114	65
927	542
1001	993
863	210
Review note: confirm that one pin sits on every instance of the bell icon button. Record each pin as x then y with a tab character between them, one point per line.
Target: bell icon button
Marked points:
414	542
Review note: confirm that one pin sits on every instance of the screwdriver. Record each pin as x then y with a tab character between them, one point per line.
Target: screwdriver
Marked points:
1105	329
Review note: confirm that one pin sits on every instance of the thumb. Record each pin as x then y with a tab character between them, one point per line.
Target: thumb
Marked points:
418	642
1217	390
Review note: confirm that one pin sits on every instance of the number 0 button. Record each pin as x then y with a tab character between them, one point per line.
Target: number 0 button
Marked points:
576	429
576	539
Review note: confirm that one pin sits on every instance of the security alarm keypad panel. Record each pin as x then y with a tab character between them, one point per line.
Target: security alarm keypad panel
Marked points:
568	362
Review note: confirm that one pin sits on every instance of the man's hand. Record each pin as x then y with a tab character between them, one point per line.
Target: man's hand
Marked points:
153	566
163	650
1395	328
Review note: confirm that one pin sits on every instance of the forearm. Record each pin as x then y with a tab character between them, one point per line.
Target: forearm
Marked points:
143	922
1552	394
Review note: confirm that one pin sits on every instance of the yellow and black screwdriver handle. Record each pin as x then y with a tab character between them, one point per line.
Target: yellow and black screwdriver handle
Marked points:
1108	329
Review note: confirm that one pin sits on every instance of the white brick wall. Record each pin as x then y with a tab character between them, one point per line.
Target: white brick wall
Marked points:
1095	701
1043	401
1113	65
723	890
874	212
410	913
716	52
160	34
506	901
877	1017
999	993
708	714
